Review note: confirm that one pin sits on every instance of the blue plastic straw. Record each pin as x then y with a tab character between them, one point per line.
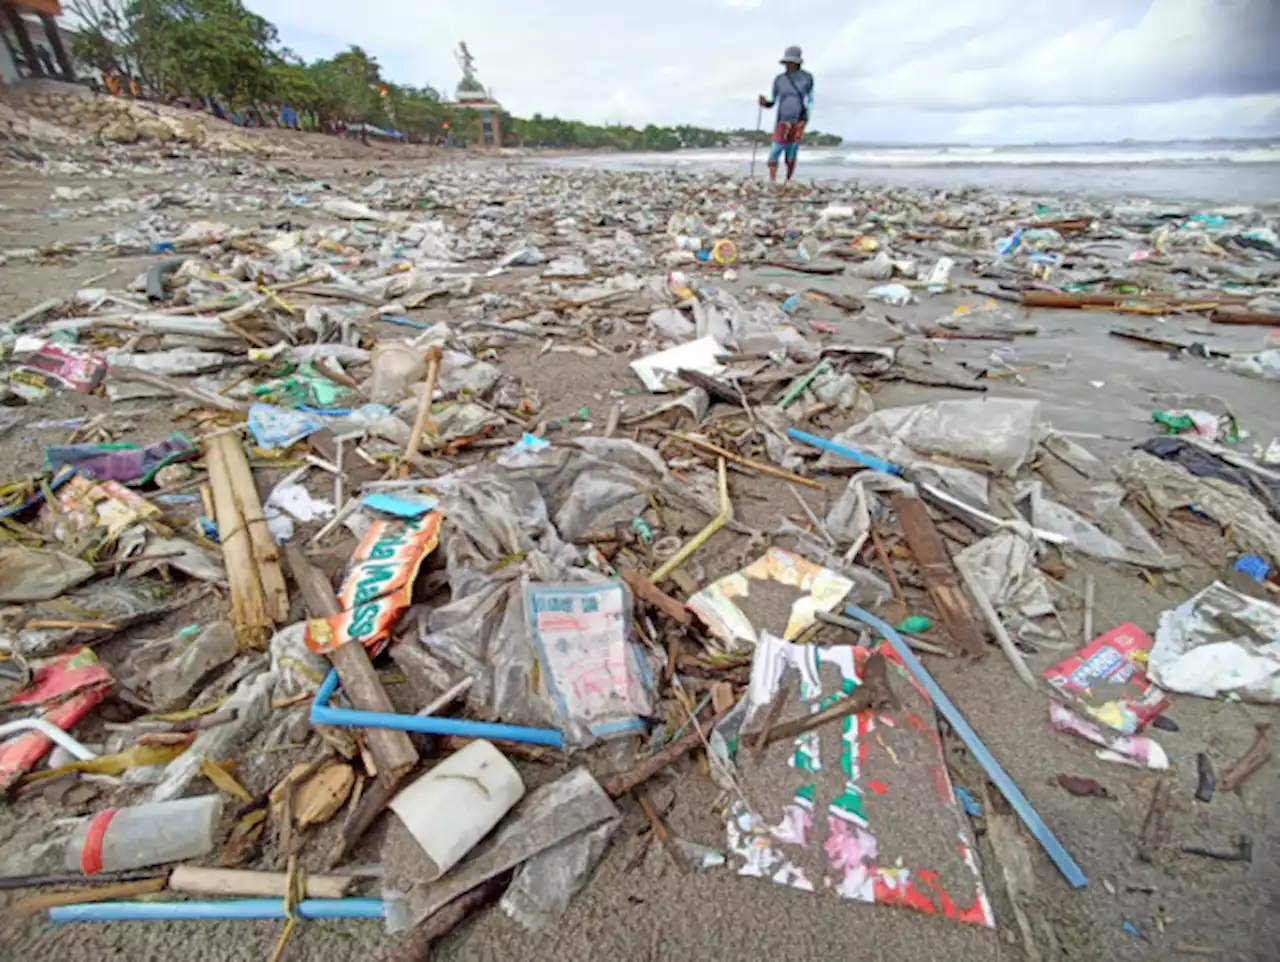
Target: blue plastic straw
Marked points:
323	714
852	454
1035	825
230	909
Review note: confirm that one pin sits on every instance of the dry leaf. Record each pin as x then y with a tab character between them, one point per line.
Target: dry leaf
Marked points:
243	843
116	764
317	799
223	780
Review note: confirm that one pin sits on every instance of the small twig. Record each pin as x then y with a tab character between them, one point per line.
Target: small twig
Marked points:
661	833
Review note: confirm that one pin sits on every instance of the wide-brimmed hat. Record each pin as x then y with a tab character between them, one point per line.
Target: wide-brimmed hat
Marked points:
792	55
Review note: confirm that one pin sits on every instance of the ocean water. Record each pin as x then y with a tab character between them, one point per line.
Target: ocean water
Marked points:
1207	172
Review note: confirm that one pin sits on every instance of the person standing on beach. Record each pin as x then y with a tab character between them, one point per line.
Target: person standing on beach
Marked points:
793	93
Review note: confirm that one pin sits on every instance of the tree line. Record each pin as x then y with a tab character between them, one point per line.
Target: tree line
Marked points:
217	51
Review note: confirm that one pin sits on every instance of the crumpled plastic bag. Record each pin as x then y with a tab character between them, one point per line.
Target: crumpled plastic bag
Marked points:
1219	642
1004	566
295	666
498	537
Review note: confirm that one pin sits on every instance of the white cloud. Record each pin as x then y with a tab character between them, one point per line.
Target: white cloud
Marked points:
980	70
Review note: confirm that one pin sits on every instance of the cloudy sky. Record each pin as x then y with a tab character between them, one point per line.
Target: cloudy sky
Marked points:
975	71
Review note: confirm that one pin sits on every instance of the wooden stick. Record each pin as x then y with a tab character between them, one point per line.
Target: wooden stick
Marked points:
376	798
648	592
266	554
194	880
1154	829
771	719
417	946
890	575
433	357
873	693
392	750
993	621
623	782
249	615
99	893
661	834
1250	761
768	469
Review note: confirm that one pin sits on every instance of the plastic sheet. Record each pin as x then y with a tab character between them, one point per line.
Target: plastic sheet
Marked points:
37	574
996	433
544	886
1169	487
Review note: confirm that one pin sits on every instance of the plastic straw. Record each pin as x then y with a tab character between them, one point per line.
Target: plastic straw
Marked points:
1030	818
324	714
852	454
230	909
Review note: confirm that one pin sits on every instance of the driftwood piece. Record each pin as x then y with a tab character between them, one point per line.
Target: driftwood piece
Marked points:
824	269
376	798
939	575
433	357
392	750
1250	761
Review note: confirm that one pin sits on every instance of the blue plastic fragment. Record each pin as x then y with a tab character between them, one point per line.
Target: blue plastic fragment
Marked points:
1030	818
866	460
402	506
1254	567
970	804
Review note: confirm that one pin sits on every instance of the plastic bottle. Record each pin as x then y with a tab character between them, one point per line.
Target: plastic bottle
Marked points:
450	808
396	365
143	835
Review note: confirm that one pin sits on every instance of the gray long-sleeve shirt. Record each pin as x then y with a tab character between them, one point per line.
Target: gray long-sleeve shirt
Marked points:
792	92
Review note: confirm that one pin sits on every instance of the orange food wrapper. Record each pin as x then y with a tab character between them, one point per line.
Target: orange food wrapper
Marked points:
379	585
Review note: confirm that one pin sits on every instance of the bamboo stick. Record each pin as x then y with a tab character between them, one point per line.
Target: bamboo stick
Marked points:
99	893
747	462
265	553
194	880
249	614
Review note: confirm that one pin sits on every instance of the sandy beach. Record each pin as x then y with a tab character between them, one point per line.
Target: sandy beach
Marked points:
1101	388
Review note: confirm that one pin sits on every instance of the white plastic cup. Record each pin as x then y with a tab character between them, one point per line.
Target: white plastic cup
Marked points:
456	804
143	835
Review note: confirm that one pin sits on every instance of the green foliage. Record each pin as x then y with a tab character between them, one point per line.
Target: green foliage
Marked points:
221	50
554	132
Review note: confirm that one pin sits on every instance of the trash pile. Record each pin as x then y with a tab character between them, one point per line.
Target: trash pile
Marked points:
489	496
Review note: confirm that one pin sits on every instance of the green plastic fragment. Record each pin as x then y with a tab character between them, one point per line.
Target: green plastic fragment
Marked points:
915	625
